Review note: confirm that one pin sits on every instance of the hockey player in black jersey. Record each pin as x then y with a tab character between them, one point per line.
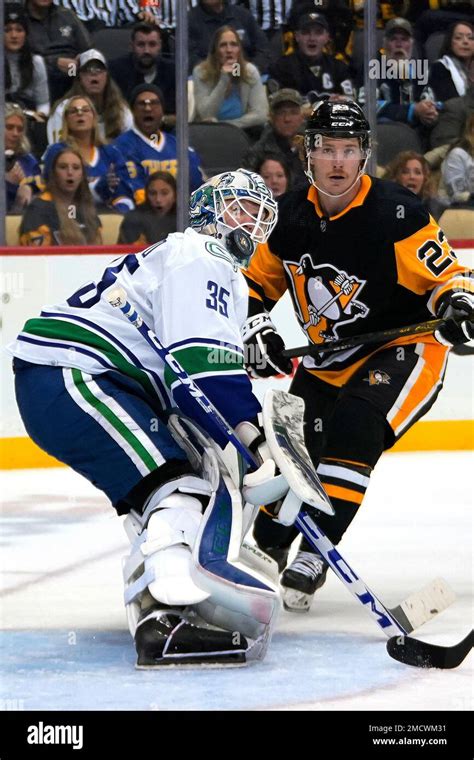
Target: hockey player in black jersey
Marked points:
358	255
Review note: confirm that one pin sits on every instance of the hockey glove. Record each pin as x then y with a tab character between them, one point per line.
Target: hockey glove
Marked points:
263	348
264	485
458	309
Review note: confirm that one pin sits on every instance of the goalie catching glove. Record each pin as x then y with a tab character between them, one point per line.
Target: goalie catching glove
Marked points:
263	348
458	309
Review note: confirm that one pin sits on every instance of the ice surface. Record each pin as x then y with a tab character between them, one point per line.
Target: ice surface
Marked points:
65	644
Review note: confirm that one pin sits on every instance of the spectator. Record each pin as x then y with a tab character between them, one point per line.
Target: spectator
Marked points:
59	36
458	169
21	167
309	70
451	74
146	147
209	16
411	170
154	219
64	214
107	172
452	119
26	79
94	80
226	87
339	18
145	64
398	97
282	135
275	172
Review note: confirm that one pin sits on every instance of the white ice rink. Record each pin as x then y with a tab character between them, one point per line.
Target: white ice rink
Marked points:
65	644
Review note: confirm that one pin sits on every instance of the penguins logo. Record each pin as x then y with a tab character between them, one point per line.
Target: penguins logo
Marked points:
377	377
325	298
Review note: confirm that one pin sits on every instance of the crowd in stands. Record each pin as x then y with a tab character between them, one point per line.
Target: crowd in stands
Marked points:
91	106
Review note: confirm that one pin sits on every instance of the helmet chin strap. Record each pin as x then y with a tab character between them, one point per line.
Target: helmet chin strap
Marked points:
310	176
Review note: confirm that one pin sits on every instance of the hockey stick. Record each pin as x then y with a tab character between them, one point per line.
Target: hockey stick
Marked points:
385	619
420	654
381	336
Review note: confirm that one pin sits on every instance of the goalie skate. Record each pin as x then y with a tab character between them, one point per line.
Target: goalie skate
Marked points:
165	637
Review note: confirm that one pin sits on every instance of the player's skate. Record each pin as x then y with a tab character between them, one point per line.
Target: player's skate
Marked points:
165	636
301	580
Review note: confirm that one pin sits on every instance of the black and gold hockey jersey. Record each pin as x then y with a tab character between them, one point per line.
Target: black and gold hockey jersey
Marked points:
382	262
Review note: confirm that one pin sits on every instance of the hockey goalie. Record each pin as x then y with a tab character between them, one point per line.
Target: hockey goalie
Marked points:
93	394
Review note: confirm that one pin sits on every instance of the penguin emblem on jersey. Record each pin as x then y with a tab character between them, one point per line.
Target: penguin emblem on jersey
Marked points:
325	298
377	377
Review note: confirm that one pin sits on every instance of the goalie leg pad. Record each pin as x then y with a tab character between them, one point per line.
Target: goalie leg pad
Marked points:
162	538
241	599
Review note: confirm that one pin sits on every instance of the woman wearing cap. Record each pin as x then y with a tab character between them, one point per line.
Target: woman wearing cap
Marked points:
451	74
226	87
26	79
64	214
106	170
94	80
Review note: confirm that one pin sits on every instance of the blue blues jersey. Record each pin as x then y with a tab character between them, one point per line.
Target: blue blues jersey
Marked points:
146	156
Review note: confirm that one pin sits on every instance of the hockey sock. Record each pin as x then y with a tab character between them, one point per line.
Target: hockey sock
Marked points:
345	483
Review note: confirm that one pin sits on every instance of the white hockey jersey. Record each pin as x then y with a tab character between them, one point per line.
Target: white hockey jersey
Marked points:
189	291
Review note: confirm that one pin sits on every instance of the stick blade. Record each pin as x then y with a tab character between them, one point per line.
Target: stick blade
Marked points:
421	654
423	605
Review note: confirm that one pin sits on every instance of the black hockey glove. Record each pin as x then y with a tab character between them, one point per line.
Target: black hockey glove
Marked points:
458	309
263	348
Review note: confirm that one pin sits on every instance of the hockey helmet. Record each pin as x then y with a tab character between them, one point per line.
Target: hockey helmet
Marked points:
216	206
337	120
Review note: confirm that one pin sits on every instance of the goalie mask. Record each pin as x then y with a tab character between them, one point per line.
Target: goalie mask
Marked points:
238	209
336	121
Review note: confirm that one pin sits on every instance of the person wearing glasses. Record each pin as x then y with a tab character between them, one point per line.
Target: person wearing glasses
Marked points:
107	173
148	149
93	79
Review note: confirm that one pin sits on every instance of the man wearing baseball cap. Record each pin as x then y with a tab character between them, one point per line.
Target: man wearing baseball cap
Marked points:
399	98
148	149
309	69
280	135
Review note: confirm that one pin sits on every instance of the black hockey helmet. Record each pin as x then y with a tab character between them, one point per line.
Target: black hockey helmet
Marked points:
336	119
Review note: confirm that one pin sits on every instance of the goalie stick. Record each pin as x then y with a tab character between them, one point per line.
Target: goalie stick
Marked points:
421	654
386	619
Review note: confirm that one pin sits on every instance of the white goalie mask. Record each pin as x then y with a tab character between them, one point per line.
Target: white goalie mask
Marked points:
237	208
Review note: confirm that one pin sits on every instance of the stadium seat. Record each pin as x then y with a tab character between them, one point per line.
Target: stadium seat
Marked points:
110	227
12	225
458	223
111	42
433	46
393	138
220	146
